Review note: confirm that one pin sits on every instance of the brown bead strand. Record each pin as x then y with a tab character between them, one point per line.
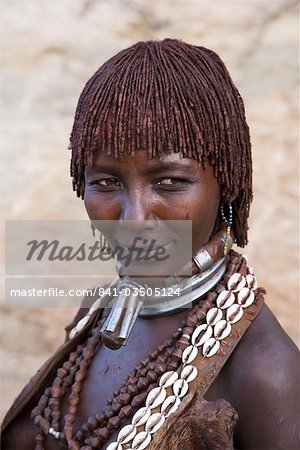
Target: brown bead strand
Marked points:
40	440
40	421
52	413
74	399
198	314
139	378
46	403
144	376
133	391
60	385
88	352
171	354
168	359
193	318
42	404
66	373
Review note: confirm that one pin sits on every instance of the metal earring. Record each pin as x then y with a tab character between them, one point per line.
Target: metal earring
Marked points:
104	245
93	229
227	216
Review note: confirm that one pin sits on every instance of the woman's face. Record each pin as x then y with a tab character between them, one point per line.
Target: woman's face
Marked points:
163	188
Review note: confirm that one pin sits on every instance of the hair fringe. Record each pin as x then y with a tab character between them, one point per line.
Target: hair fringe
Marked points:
167	96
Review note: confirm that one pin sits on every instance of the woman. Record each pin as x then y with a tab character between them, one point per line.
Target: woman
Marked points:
160	135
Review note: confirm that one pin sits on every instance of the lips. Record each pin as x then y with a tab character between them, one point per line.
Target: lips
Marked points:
131	254
134	247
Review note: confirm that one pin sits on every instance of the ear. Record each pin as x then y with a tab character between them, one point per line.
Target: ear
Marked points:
227	199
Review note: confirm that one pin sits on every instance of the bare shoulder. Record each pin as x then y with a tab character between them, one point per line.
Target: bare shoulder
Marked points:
262	378
266	346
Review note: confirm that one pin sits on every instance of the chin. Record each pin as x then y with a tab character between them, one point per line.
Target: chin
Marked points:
150	273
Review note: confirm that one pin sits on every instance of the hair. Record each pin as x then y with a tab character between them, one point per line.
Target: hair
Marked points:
167	96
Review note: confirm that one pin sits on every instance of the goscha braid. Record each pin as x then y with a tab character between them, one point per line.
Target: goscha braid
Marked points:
167	96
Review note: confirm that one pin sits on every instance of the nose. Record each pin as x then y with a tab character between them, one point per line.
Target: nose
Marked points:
136	207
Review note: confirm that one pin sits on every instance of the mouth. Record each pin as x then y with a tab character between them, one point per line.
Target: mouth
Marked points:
148	246
150	253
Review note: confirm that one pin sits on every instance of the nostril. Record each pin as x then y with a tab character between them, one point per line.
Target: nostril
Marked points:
136	209
137	225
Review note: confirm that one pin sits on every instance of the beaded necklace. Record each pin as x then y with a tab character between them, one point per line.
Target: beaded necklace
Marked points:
176	352
164	400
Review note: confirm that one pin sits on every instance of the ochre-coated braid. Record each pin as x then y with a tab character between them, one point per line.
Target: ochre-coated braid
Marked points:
164	97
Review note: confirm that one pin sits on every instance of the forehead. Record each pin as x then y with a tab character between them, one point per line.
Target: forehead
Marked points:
168	164
141	157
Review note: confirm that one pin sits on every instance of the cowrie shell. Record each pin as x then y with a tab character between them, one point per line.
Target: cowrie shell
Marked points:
180	388
141	416
225	299
168	378
141	440
246	297
189	354
201	334
54	433
213	316
126	434
222	329
236	282
170	405
251	281
234	313
82	322
154	422
189	373
114	446
211	347
156	397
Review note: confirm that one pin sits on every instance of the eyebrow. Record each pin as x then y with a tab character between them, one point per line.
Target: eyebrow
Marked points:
151	169
166	166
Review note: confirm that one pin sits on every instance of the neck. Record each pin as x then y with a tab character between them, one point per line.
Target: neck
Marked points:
186	286
135	300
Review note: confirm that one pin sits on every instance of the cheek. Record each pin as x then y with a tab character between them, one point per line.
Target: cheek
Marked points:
91	205
203	214
97	209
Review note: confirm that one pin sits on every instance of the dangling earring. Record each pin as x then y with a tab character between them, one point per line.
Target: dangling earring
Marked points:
104	245
227	218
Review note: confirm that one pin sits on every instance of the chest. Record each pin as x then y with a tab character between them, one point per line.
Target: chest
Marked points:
110	368
108	371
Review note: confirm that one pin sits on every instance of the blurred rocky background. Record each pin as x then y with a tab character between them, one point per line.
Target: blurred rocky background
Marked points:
48	51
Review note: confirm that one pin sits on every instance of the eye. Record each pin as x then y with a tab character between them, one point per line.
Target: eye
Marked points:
173	182
109	182
167	181
106	183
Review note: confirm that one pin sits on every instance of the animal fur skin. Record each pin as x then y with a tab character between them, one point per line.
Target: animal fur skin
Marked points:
202	425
